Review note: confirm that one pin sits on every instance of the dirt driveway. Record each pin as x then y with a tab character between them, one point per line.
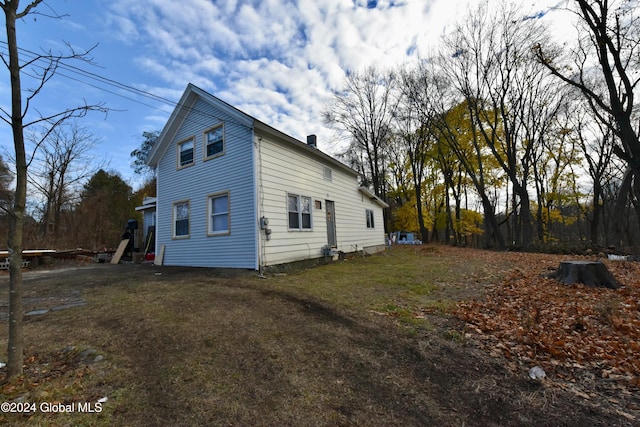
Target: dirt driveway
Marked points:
196	347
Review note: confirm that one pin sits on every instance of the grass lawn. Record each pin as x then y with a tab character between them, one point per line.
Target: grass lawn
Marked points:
369	341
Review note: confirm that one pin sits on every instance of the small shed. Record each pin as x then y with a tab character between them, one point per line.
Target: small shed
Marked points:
148	210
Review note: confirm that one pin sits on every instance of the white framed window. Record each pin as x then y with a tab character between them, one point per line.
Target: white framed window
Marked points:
299	212
328	173
185	153
219	214
370	223
214	142
181	219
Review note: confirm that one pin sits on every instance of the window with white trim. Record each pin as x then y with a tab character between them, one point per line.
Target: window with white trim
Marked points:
299	211
181	219
219	218
185	153
214	142
369	214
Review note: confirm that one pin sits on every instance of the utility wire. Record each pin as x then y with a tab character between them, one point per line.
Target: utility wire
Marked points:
93	76
109	82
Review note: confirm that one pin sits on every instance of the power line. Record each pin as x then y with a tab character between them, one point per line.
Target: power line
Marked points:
36	57
93	76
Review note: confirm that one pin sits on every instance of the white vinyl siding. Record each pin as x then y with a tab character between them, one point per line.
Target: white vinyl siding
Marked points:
286	170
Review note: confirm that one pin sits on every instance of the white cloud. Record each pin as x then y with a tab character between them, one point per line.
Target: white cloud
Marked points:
279	60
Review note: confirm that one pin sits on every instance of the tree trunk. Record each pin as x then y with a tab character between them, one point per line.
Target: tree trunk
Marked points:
424	232
635	200
620	207
590	273
522	222
493	236
448	223
15	345
540	228
597	210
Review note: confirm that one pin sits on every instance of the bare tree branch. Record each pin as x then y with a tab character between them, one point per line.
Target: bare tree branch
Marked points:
15	344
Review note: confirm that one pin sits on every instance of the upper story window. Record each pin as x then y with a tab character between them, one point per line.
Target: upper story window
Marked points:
370	223
181	219
185	153
299	210
328	173
214	142
219	214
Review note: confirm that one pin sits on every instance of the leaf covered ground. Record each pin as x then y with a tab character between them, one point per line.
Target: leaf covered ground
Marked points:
586	339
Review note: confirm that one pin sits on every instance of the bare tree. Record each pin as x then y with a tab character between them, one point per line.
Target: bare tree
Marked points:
6	179
56	170
414	123
504	88
364	110
555	159
603	66
43	67
595	141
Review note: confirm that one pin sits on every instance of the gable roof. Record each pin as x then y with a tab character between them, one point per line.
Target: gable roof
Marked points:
186	105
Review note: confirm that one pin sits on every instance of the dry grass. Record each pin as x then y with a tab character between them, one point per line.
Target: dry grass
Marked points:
367	342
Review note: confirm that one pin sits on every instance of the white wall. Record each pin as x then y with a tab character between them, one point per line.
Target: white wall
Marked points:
284	169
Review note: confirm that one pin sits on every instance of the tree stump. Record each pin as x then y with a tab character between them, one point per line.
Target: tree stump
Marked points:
590	273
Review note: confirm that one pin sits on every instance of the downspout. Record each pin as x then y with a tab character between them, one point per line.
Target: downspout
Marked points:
156	222
257	200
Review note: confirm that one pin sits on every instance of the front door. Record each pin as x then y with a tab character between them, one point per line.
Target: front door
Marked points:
331	223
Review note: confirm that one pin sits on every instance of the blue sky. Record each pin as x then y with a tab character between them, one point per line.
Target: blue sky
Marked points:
277	60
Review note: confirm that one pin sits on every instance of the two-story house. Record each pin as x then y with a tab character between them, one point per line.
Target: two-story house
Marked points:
234	192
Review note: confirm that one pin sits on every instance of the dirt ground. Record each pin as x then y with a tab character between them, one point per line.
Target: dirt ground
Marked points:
184	346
